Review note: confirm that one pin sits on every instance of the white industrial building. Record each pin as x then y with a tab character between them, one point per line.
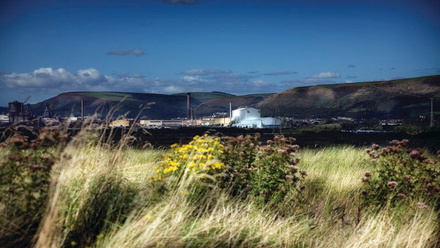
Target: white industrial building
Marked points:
251	118
162	123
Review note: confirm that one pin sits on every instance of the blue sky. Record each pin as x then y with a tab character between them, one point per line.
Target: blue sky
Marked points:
241	47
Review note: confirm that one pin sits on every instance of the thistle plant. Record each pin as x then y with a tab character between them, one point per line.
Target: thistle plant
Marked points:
401	174
264	172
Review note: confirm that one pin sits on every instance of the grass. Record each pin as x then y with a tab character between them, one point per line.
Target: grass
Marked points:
103	197
108	96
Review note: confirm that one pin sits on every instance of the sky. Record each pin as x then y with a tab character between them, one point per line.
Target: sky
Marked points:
235	46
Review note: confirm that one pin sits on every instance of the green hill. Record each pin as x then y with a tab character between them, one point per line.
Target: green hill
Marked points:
383	99
159	106
205	96
395	99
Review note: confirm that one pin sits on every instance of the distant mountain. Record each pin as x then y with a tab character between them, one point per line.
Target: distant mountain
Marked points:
154	106
401	98
386	99
404	98
205	96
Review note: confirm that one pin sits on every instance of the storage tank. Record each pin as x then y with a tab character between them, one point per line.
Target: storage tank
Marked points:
15	111
15	108
242	114
238	115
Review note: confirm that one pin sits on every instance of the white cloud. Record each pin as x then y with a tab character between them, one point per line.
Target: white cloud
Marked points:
326	75
48	82
193	80
172	89
229	78
261	83
279	73
135	52
40	78
89	76
204	72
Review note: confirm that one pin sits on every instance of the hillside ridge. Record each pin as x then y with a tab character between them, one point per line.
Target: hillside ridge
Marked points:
379	99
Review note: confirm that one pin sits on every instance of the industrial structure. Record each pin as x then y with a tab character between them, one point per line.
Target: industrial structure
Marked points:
241	117
17	113
251	118
120	123
163	123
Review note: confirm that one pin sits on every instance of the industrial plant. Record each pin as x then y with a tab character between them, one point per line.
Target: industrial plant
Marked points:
243	117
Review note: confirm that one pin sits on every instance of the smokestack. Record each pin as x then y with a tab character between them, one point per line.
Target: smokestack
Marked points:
82	109
230	110
188	104
431	124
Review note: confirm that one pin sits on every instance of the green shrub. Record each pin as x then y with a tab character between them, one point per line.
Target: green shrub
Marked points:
264	172
401	174
241	165
25	181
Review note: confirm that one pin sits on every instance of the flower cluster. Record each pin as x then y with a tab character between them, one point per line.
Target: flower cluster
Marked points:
199	157
400	173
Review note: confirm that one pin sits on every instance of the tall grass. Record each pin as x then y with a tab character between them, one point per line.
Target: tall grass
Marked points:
102	196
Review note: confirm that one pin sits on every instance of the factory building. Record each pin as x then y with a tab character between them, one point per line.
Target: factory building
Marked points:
162	123
17	113
4	119
251	118
120	123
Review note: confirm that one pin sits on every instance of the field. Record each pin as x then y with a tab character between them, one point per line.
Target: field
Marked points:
110	195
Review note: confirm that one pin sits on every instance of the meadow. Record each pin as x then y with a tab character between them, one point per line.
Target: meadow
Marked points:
214	192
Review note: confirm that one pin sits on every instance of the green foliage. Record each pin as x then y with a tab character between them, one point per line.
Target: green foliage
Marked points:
25	180
401	174
103	197
107	202
248	168
264	172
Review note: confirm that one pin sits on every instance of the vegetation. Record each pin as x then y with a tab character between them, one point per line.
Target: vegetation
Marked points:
217	192
401	174
25	180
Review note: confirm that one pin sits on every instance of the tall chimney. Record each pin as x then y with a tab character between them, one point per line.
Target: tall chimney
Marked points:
82	109
431	124
230	110
188	104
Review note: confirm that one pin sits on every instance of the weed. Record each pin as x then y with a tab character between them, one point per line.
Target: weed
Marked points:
265	172
401	175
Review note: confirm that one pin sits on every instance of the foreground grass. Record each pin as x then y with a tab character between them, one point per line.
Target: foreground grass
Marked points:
104	197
